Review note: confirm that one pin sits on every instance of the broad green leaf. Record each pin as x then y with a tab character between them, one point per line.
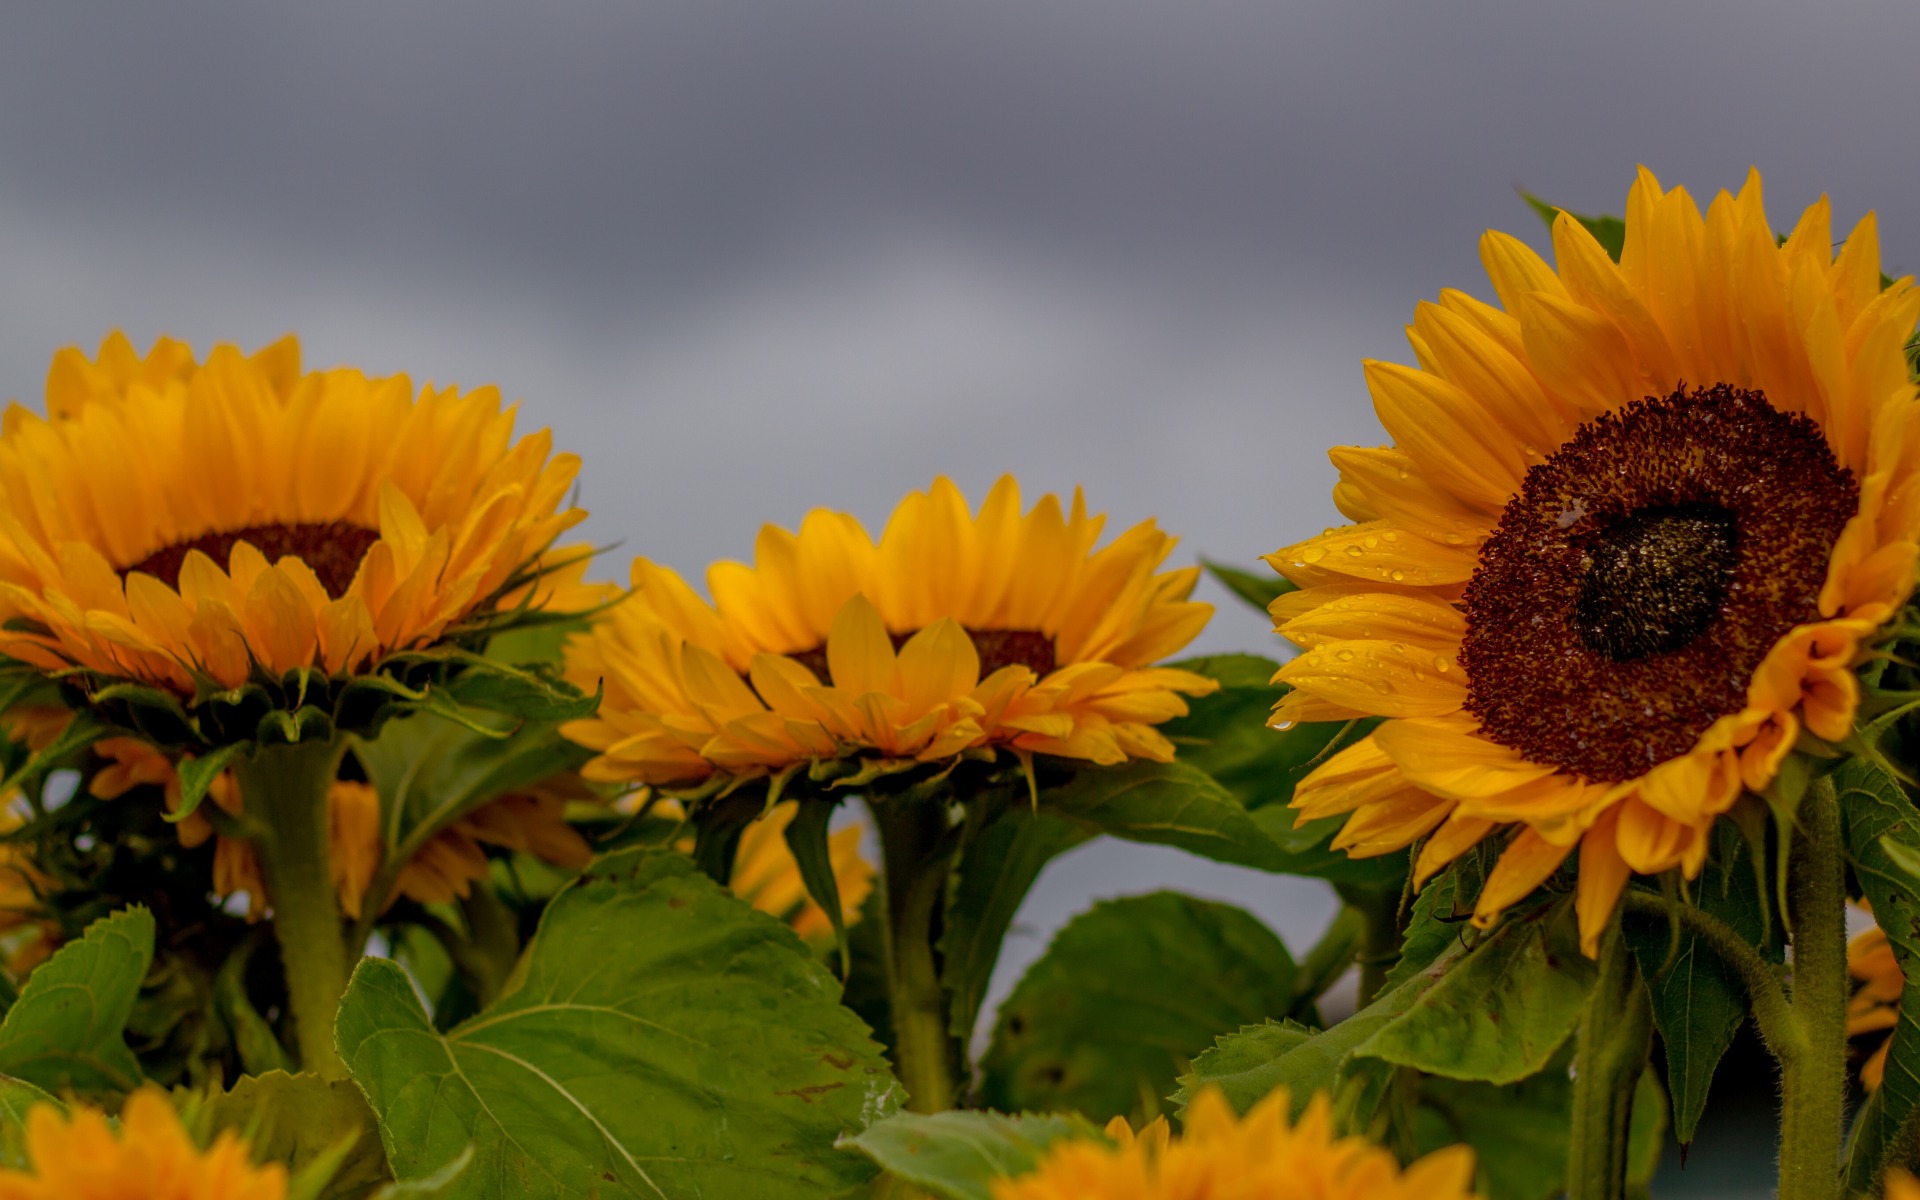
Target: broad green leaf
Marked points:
993	876
1610	232
17	1097
958	1155
664	1039
1499	1013
300	1119
1698	1000
1226	735
65	1031
1434	926
1875	812
1169	804
1519	1131
437	1186
1094	1026
1247	1065
1259	590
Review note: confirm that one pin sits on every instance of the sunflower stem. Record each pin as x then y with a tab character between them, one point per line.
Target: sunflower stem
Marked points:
914	874
285	788
1813	1082
1616	1033
1379	946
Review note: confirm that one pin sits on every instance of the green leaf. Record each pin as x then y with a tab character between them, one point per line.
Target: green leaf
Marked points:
197	775
64	1033
1519	1131
1501	1012
17	1097
1875	813
1226	735
1698	1000
664	1039
1258	590
1247	1065
1168	804
1095	1028
958	1155
526	694
300	1120
1610	232
438	1186
807	840
1434	926
994	874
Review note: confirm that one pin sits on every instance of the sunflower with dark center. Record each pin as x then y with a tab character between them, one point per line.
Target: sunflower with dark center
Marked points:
1638	526
187	525
955	631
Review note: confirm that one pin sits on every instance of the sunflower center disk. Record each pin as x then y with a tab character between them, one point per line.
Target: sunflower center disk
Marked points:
1643	572
1656	580
997	648
333	549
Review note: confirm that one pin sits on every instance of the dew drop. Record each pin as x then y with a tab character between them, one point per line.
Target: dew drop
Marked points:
1313	555
1399	575
1354	551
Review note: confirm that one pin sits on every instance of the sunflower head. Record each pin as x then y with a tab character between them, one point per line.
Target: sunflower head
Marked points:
194	545
955	633
1638	524
1220	1156
79	1155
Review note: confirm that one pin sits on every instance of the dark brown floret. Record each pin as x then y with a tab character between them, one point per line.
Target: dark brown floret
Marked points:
997	648
333	549
1642	574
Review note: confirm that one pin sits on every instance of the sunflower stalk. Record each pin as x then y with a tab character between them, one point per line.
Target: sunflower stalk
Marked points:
917	855
287	787
1813	1081
1616	1033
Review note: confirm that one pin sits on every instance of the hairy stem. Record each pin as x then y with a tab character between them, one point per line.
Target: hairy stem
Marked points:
1771	1012
1379	946
285	789
1616	1032
914	872
1813	1084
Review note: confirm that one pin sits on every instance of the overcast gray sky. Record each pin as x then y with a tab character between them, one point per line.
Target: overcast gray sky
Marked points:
752	258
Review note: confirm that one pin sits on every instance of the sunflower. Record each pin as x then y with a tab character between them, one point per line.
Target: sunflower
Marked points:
1637	527
953	632
444	869
191	525
1875	1007
1902	1186
1222	1157
81	1156
766	876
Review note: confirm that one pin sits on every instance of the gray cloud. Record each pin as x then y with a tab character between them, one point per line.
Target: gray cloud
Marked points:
750	259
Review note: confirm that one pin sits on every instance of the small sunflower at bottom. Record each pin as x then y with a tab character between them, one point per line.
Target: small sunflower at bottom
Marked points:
1223	1157
955	631
1875	1006
1638	526
1902	1186
79	1155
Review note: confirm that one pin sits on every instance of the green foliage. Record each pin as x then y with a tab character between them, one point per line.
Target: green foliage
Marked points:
1519	1131
993	877
1698	1000
1247	1065
65	1032
1095	1026
1498	1014
305	1121
16	1098
957	1155
1610	232
1169	804
662	1037
806	837
1259	590
1226	735
1877	816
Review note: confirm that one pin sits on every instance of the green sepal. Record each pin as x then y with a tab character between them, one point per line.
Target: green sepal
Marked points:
1610	232
197	775
806	836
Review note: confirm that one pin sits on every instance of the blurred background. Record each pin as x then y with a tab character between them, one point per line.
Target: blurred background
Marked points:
750	259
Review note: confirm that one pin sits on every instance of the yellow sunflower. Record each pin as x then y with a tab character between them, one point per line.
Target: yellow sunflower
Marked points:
1222	1157
765	875
80	1156
1875	1007
954	631
445	869
186	524
1902	1186
1638	524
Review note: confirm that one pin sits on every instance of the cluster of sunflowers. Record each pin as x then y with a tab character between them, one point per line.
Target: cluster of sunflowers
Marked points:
356	845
